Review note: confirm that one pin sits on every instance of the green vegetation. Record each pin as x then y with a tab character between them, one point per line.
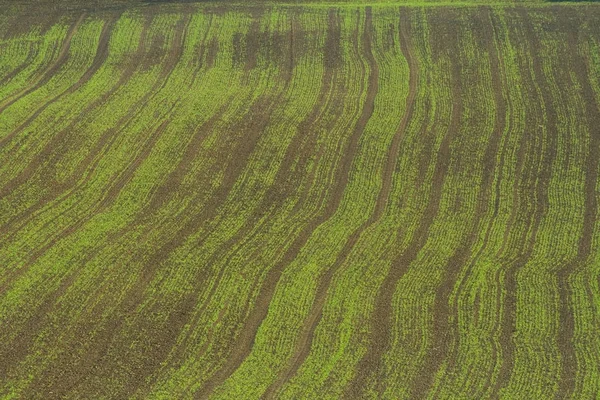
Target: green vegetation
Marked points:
286	201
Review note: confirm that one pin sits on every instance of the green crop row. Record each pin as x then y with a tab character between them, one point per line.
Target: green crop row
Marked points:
202	201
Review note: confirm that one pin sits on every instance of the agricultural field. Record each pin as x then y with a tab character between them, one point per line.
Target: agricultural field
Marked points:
317	201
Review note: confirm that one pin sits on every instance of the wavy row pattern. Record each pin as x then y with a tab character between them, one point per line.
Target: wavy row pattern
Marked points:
300	202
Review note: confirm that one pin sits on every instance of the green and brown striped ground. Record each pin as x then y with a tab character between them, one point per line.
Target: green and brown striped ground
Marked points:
300	202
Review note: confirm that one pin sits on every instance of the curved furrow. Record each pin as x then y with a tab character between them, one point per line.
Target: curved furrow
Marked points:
160	255
251	126
295	160
557	242
67	284
19	143
371	364
521	179
93	158
174	180
325	361
194	146
184	166
388	168
62	57
97	62
14	193
536	177
99	59
68	231
18	218
41	157
295	249
339	339
478	311
16	31
27	61
567	291
444	320
209	210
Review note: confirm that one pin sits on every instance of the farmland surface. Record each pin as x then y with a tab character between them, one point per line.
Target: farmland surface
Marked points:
300	202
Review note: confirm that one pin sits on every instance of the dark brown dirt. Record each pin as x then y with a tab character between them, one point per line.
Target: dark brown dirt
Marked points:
444	330
245	340
99	350
530	178
99	59
306	335
567	321
303	348
53	67
173	57
371	365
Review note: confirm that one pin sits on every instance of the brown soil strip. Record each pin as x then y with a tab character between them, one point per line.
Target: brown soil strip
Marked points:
295	160
245	340
567	321
18	23
273	197
106	140
372	362
307	335
253	42
53	68
60	143
99	59
176	53
538	179
444	331
106	201
126	176
251	128
8	77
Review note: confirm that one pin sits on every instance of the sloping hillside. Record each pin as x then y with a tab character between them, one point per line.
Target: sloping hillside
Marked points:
300	202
